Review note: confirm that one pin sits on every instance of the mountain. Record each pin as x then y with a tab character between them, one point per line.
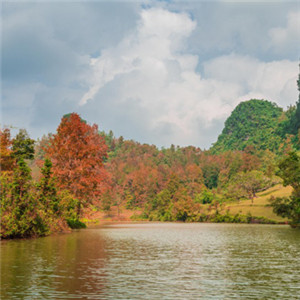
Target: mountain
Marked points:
256	123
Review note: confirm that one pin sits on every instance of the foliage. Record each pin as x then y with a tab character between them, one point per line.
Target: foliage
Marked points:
75	224
77	151
23	146
247	184
31	209
253	122
22	215
289	171
47	188
205	197
6	158
288	207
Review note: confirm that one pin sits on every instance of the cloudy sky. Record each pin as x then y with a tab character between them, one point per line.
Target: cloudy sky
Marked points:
158	72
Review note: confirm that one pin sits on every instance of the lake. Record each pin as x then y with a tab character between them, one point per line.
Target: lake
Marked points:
155	261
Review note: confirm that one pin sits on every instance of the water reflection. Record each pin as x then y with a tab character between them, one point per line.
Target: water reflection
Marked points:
56	267
156	261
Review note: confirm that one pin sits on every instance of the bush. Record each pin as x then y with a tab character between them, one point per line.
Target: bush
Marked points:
75	224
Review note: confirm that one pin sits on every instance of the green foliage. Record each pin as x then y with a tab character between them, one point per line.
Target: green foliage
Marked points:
22	215
29	209
205	197
23	146
288	207
75	224
253	122
211	175
289	171
247	184
47	188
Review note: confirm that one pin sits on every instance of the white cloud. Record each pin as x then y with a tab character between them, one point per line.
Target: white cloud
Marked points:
148	50
287	38
152	70
274	81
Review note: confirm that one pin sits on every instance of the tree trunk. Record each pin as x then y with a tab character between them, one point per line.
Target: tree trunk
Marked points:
78	209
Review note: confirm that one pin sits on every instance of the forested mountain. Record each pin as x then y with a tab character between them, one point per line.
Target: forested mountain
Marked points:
260	124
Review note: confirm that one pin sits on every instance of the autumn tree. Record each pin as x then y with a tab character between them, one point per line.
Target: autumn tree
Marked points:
6	158
194	179
77	151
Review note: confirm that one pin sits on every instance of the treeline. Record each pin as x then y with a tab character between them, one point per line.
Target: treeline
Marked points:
46	186
174	184
80	167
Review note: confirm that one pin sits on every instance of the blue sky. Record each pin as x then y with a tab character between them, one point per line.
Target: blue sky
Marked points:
159	72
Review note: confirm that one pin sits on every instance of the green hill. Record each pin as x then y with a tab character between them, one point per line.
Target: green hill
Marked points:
255	123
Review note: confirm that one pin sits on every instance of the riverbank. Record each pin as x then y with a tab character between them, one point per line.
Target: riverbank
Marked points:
257	210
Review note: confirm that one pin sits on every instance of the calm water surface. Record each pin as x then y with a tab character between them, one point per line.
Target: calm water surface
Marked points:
155	261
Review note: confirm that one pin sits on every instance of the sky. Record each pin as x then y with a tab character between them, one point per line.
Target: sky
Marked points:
157	72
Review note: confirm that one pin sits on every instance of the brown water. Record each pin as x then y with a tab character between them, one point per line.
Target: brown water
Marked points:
155	261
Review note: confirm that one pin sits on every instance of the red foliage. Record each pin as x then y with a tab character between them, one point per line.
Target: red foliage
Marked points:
7	162
77	152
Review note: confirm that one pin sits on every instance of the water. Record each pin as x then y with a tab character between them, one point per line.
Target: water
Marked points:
155	261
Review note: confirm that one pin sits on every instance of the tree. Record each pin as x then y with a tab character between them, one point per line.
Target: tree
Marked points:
289	171
251	182
77	151
22	215
6	158
47	188
194	179
289	207
23	146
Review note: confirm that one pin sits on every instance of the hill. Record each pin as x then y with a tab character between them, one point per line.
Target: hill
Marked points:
254	122
261	205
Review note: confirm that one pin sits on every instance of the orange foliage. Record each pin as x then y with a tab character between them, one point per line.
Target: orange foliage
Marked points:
6	158
77	152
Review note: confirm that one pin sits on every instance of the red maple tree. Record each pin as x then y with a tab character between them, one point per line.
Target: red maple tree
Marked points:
77	151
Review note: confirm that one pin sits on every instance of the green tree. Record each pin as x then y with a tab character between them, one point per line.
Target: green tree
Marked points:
251	182
23	146
22	215
289	171
205	197
47	188
289	207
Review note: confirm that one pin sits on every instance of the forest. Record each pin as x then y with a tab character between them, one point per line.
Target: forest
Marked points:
50	185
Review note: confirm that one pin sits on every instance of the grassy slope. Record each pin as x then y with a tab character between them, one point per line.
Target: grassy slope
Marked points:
260	206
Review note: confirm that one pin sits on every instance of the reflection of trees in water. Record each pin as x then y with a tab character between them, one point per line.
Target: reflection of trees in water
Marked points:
67	264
